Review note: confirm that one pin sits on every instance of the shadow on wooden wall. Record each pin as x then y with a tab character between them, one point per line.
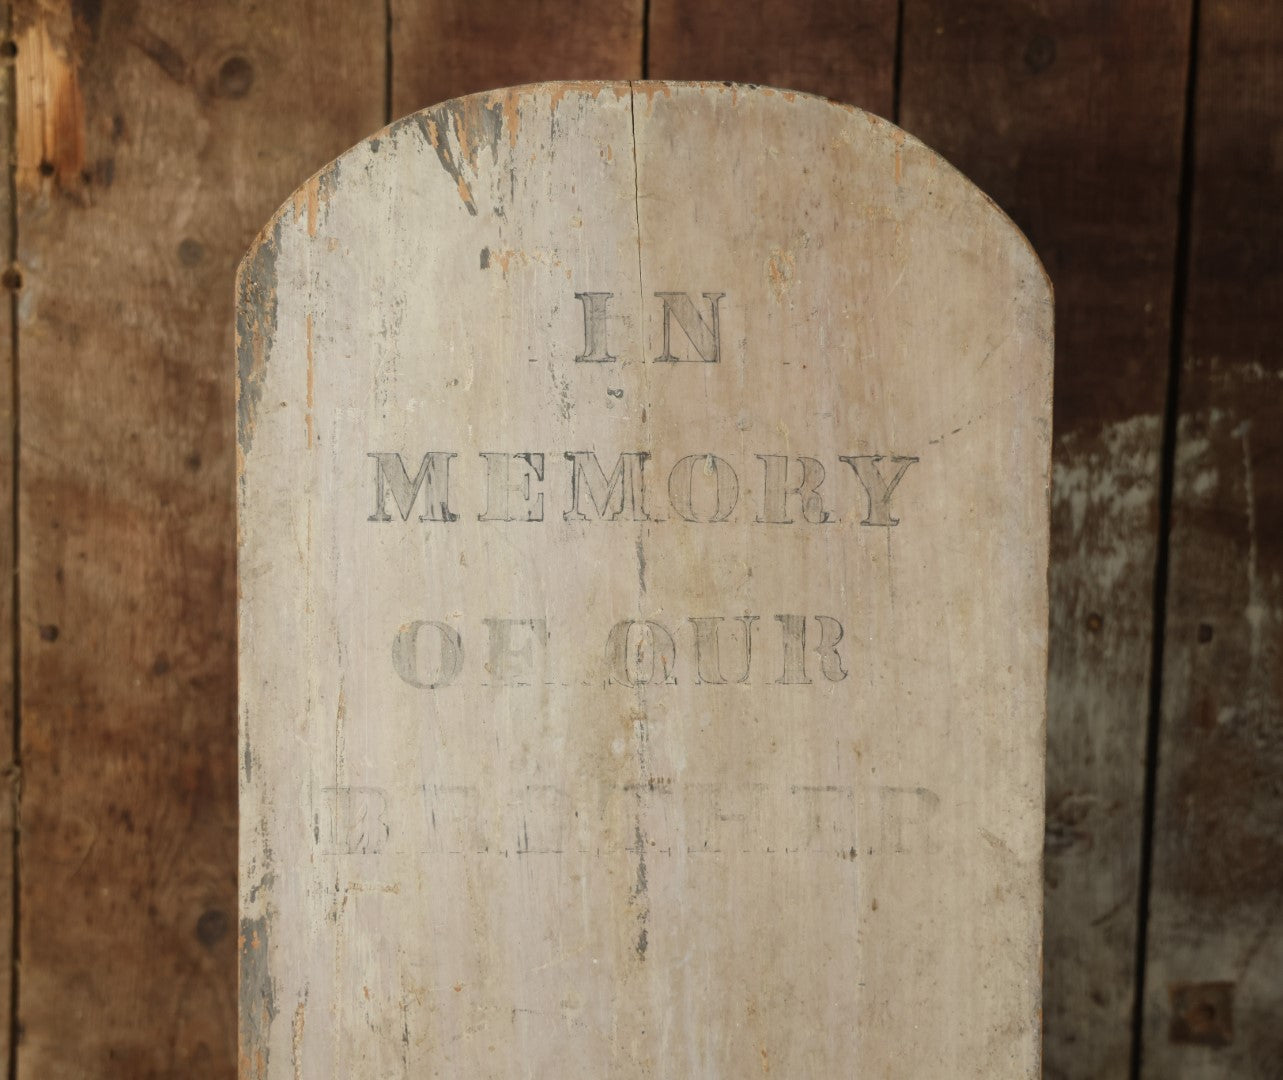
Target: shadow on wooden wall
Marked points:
1140	147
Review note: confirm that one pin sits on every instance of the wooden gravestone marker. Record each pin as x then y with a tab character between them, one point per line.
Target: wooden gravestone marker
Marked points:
643	507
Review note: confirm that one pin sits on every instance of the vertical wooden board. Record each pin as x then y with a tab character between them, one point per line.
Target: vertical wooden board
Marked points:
152	140
8	659
605	755
845	51
1070	115
444	49
1215	949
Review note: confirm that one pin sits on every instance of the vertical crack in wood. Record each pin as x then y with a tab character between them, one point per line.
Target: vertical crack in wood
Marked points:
1167	476
640	895
632	118
641	308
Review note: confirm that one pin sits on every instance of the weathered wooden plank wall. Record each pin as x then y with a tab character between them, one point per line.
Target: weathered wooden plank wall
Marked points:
446	48
844	51
1214	981
152	139
8	599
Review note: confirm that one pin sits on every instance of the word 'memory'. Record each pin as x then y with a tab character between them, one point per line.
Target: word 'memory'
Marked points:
716	650
699	487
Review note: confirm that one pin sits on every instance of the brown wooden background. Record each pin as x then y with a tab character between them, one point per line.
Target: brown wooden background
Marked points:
1138	143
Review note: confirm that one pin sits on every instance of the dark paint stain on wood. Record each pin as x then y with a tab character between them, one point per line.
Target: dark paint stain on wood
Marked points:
640	888
162	53
255	330
257	999
1202	1013
88	16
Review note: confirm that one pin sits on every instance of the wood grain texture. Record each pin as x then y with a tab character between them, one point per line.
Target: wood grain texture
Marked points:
844	51
163	135
8	415
1070	116
446	48
675	772
1213	989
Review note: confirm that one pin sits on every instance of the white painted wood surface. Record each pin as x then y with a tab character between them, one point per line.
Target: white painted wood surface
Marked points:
514	800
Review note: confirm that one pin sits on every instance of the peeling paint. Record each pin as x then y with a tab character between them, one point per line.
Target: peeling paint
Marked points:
311	382
651	90
255	330
459	130
505	258
300	1019
257	1000
511	109
781	267
558	91
307	201
1097	486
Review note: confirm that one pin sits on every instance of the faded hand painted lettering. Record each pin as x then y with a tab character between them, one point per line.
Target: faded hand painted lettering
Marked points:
643	600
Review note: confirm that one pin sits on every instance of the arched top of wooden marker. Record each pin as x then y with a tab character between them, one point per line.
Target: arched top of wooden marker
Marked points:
461	129
494	114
